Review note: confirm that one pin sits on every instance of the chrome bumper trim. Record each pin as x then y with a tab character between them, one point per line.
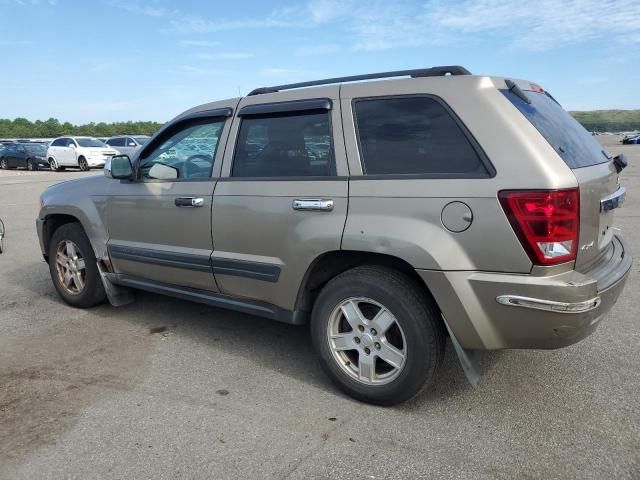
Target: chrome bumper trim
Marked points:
549	305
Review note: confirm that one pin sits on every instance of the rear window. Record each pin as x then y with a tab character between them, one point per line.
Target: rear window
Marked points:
413	135
574	144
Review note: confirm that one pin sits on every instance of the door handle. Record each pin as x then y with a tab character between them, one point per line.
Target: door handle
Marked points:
189	202
315	204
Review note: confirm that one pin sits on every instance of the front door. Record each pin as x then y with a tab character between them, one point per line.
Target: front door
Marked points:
282	197
160	223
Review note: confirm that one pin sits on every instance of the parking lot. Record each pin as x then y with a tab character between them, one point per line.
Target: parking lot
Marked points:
169	389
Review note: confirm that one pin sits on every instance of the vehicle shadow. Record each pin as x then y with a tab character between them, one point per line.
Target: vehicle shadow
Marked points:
257	340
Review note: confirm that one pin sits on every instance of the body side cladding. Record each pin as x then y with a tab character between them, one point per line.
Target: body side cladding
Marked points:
261	309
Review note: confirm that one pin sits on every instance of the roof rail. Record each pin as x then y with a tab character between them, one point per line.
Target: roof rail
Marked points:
421	72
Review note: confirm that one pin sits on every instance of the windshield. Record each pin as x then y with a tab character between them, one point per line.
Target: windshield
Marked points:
36	149
142	140
574	144
90	142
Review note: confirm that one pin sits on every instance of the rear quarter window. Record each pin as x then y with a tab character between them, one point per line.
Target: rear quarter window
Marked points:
414	135
569	139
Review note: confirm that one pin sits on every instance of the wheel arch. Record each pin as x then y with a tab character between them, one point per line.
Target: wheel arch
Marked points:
329	264
53	222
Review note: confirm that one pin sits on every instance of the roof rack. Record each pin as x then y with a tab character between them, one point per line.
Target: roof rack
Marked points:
421	72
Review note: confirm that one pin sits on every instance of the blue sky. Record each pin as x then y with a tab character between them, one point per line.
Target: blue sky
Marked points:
107	60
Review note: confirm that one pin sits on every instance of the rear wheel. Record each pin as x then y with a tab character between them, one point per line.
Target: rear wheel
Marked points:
30	165
378	336
3	164
73	267
83	164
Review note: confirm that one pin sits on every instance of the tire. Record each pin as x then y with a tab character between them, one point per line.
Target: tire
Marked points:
53	165
83	164
88	291
3	164
30	166
417	333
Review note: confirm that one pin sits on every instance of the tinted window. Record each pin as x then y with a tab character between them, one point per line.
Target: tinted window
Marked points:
69	142
413	135
116	142
142	140
574	144
130	142
36	149
90	142
187	152
284	145
59	142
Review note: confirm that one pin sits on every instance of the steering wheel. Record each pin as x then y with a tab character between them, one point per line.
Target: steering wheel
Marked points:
192	169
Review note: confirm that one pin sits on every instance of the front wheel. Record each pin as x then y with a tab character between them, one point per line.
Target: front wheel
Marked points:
379	337
3	164
53	165
73	267
83	164
30	166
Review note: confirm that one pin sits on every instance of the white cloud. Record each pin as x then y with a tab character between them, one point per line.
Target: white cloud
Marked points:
380	24
149	9
539	25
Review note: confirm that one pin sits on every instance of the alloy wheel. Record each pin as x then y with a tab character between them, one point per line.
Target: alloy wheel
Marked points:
70	267
3	164
366	341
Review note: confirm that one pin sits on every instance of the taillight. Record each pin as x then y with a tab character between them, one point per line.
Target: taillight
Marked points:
547	222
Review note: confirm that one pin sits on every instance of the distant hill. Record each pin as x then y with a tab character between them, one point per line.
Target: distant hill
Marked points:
609	120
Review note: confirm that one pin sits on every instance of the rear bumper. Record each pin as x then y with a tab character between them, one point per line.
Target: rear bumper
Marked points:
496	311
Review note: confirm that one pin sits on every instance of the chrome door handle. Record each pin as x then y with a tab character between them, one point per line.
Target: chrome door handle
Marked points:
189	202
317	204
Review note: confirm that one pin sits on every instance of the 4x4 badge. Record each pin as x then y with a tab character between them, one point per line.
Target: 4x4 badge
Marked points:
587	246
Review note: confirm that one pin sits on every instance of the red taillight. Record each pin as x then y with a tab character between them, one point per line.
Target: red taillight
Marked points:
547	222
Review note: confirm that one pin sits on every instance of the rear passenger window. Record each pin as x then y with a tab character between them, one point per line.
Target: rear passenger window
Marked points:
413	136
284	145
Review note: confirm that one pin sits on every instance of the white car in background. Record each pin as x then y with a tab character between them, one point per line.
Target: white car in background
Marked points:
128	144
79	152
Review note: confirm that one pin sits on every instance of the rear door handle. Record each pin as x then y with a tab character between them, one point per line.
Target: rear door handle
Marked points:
189	202
316	204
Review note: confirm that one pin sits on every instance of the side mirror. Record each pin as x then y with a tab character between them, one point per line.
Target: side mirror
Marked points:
72	145
118	167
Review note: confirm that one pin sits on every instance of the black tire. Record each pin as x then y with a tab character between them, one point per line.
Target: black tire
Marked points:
83	164
53	165
93	292
3	164
30	166
415	313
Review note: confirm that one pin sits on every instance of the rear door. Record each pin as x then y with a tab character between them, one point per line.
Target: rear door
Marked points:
600	191
66	154
160	224
10	155
282	198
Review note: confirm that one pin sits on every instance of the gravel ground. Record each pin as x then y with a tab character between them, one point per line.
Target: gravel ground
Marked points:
215	394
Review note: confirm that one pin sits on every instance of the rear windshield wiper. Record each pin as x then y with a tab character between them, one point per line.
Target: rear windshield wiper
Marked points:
517	91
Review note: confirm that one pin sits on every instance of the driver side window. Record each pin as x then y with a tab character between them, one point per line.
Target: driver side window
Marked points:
187	152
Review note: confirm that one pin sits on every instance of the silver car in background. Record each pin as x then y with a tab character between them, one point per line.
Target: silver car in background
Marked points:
128	144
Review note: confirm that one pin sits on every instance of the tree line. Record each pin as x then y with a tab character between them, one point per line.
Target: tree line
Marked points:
23	128
594	121
609	120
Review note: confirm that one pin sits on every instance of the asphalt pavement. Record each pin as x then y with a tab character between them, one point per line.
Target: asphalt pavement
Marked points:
169	389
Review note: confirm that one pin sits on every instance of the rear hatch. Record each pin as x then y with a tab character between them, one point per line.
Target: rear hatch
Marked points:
592	165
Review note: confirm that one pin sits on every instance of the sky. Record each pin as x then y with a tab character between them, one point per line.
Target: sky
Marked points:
114	60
